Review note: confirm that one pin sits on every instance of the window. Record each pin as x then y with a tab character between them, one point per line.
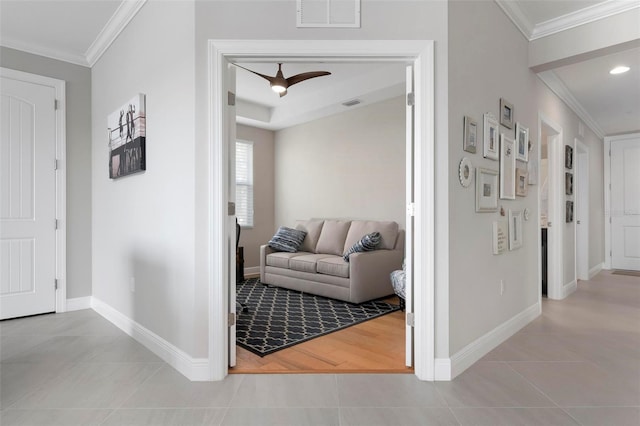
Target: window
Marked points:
244	183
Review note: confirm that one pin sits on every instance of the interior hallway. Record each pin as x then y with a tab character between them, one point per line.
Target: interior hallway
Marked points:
579	363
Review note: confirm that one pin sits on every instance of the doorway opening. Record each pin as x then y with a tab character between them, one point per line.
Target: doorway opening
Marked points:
420	53
581	191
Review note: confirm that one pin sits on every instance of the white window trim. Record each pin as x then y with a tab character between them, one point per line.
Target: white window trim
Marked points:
249	183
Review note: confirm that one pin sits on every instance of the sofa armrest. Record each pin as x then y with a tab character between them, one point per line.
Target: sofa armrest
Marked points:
370	273
264	251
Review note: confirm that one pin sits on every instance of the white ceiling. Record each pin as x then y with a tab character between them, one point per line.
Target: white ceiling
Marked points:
608	104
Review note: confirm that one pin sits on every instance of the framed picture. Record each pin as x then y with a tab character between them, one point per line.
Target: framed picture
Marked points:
506	113
569	212
568	183
568	157
500	239
522	143
521	183
507	168
465	172
515	229
127	138
470	135
486	190
491	137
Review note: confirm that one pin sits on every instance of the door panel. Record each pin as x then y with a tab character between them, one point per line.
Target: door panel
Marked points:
27	199
625	204
409	218
231	197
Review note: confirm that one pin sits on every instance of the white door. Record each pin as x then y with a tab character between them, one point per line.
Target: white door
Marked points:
27	198
625	204
231	197
409	217
581	190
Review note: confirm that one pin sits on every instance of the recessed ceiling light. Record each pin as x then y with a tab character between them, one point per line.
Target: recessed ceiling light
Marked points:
619	70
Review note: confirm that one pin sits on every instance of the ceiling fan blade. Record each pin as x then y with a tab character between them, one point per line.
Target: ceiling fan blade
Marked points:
266	77
305	76
283	93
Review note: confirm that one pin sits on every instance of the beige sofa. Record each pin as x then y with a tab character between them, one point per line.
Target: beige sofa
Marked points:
319	268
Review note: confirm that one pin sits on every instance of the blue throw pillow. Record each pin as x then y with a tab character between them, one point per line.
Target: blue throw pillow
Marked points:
367	243
287	239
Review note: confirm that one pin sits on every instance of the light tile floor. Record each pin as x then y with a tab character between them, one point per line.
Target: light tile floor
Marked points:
579	363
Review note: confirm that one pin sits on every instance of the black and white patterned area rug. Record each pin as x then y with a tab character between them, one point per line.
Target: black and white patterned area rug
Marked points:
278	318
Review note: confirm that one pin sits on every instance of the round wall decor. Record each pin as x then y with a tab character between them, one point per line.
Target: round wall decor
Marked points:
465	172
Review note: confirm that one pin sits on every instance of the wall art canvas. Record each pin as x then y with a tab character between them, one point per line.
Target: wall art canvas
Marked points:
507	168
569	212
127	138
568	183
568	157
500	237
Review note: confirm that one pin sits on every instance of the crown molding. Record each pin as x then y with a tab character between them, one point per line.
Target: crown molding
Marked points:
517	16
556	85
77	59
582	16
118	22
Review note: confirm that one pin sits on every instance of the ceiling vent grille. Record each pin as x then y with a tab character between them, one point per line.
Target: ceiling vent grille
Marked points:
352	102
328	13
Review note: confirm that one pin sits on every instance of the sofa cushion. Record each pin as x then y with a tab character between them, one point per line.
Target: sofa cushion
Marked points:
388	231
367	243
306	263
312	228
287	239
334	265
332	237
281	259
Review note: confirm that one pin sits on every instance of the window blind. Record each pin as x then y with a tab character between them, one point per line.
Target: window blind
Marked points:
244	183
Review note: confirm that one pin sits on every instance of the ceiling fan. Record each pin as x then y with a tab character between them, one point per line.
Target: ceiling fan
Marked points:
279	84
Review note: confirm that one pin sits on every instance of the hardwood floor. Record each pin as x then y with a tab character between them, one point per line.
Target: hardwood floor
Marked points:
375	346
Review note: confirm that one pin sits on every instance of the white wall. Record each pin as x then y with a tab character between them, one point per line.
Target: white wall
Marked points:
269	20
143	224
349	165
263	193
78	128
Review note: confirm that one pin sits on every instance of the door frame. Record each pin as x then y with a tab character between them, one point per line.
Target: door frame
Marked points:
607	193
555	251
581	186
61	175
421	53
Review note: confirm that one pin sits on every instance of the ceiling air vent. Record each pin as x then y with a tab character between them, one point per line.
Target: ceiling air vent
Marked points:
352	102
328	13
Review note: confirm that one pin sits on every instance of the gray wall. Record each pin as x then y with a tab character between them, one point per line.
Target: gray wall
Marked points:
78	126
143	224
263	193
348	165
488	59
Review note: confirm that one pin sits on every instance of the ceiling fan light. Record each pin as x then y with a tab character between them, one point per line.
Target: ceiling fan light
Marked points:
619	70
278	88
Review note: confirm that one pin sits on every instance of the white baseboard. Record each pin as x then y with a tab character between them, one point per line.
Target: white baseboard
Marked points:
195	369
79	303
253	270
442	369
567	289
595	270
475	350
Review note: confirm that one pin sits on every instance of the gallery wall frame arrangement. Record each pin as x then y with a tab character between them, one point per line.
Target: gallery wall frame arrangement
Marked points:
127	129
470	135
521	183
507	168
506	113
491	140
568	157
486	190
515	229
522	143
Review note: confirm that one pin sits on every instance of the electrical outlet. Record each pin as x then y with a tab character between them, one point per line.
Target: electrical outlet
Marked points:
132	284
501	287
